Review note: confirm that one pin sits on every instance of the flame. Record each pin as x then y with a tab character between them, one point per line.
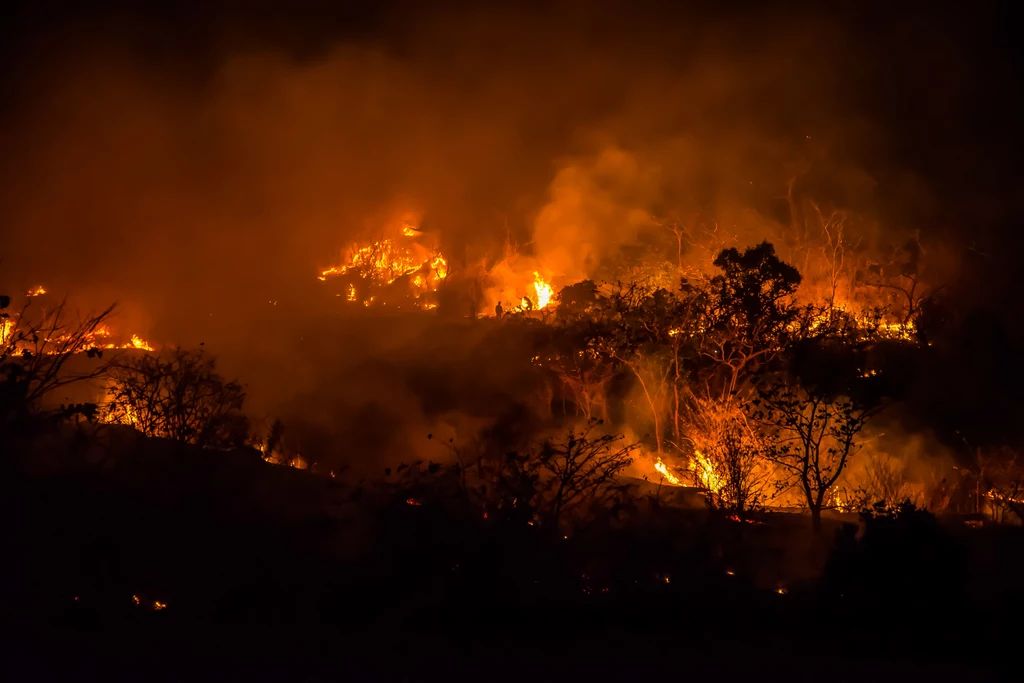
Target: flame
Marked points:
98	338
138	342
36	291
385	261
543	289
889	329
666	474
705	473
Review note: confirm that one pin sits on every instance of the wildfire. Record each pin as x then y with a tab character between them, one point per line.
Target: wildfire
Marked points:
383	263
663	470
99	338
888	329
36	291
138	342
382	260
704	472
543	289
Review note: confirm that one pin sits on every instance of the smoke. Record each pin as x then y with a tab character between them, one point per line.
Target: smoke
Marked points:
205	192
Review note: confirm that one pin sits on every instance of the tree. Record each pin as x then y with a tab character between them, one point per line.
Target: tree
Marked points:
815	433
178	395
651	333
729	463
572	348
35	347
581	472
742	319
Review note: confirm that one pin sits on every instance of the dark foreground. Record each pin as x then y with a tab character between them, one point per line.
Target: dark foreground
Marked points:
172	565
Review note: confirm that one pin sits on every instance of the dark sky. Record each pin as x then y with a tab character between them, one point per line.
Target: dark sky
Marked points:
180	148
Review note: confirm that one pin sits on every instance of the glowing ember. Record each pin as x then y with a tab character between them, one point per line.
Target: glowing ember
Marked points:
351	296
36	291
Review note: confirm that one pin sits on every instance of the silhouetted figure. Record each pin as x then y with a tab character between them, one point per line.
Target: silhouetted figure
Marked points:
498	310
527	303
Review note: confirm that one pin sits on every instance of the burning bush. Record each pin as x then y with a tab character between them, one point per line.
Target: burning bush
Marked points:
730	463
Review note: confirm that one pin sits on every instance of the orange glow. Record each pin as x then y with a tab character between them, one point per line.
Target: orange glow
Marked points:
99	338
389	263
663	470
705	473
543	289
36	291
138	342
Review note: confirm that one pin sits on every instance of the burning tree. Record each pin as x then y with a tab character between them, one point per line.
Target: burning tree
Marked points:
35	348
178	395
730	463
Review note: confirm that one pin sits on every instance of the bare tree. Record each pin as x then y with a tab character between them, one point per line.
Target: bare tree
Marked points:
815	433
178	395
1000	482
35	347
902	278
582	471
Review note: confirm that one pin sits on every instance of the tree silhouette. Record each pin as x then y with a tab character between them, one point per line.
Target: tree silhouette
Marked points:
35	347
178	395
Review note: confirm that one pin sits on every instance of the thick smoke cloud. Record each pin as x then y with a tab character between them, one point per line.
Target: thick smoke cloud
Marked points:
202	181
233	182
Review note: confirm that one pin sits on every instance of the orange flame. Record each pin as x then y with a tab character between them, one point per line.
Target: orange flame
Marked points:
666	474
543	289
